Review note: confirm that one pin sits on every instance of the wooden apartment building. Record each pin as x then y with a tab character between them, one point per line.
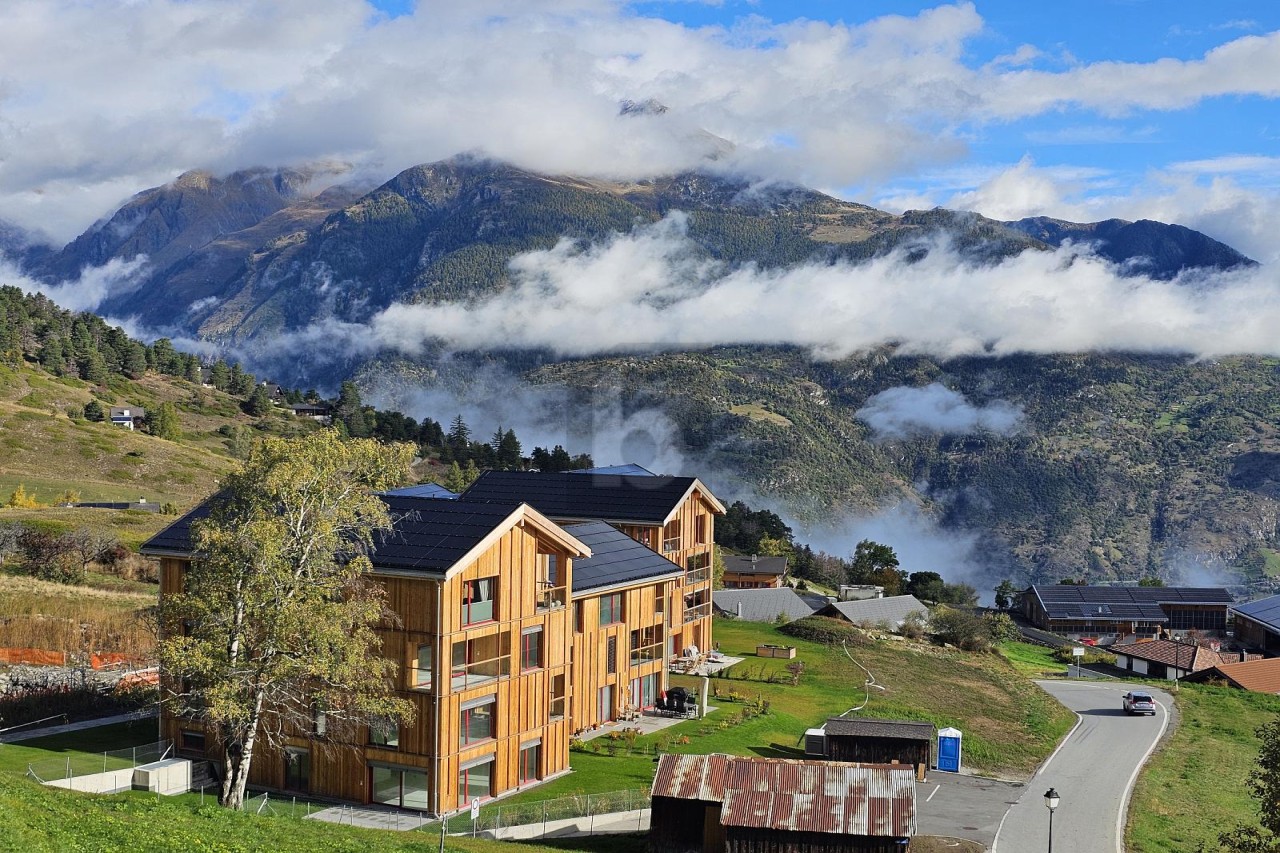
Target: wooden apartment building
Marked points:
514	633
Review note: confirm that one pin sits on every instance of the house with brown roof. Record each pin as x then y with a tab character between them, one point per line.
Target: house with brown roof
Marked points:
1169	659
733	804
754	572
1260	676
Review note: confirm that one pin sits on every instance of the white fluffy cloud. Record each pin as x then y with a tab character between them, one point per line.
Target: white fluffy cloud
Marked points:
135	93
935	409
651	290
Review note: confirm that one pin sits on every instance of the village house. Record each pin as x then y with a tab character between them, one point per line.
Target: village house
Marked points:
129	417
1169	659
513	633
1261	675
764	605
1108	613
754	572
732	804
890	612
1257	625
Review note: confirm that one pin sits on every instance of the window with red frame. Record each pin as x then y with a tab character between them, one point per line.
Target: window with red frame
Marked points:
531	649
477	600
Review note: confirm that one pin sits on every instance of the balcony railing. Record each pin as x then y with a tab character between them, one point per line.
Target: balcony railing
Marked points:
550	597
694	576
480	672
557	708
647	654
697	611
671	543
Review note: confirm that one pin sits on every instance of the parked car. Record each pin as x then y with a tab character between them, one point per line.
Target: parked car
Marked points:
1138	703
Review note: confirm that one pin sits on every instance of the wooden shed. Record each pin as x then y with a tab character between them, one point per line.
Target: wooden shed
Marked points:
731	804
872	741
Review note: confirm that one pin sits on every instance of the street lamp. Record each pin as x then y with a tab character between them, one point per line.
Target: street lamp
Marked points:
1051	800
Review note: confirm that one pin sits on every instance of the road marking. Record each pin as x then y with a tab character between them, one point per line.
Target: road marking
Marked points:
930	797
1128	791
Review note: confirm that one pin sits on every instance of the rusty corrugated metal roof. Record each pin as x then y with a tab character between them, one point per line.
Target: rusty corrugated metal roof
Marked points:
787	794
691	777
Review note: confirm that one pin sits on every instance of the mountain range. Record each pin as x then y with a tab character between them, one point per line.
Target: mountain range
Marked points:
1123	466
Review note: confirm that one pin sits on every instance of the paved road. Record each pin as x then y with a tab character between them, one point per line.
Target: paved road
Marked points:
1093	772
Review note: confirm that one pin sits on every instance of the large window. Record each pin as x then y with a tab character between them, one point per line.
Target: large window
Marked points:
422	669
530	649
610	609
475	780
480	660
192	741
384	733
557	698
646	645
393	786
531	761
297	769
671	536
477	600
552	592
697	568
477	720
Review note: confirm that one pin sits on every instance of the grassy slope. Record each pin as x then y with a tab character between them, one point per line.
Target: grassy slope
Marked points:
1194	787
47	451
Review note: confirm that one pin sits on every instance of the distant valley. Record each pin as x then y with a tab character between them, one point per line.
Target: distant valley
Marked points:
1111	466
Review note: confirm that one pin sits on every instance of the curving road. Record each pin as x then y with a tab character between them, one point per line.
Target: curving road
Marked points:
1093	771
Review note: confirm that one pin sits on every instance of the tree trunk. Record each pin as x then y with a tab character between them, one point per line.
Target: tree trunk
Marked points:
236	766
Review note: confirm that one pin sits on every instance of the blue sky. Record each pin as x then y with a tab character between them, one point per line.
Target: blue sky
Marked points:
1162	109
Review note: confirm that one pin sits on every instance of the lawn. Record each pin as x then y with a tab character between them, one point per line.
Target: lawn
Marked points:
1009	724
1031	660
1194	788
35	818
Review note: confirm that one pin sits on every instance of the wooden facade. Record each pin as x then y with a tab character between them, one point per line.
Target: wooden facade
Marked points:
502	663
455	667
686	539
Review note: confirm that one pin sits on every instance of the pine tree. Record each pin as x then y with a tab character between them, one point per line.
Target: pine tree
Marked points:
220	375
259	402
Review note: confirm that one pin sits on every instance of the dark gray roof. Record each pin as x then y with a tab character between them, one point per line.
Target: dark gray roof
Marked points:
176	538
1121	603
868	727
761	605
615	558
424	490
756	565
1264	610
585	497
892	610
429	535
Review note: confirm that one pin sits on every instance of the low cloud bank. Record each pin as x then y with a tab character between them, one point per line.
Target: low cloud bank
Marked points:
934	410
651	289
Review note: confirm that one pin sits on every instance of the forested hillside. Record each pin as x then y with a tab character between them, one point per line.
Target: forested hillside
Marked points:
1123	466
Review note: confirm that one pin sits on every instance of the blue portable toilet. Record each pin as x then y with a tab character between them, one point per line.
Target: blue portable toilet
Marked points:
949	750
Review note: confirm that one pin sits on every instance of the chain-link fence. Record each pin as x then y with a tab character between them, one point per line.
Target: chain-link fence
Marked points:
549	817
78	765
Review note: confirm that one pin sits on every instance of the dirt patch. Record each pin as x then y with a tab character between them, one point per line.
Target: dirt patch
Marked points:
943	844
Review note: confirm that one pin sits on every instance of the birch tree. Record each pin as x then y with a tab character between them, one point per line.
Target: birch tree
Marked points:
276	622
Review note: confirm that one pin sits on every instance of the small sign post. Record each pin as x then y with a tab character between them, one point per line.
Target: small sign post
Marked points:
475	815
1077	653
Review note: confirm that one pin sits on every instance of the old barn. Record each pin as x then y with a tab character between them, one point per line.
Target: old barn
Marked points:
731	804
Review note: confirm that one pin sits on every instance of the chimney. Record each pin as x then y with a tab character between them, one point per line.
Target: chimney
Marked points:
753	559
